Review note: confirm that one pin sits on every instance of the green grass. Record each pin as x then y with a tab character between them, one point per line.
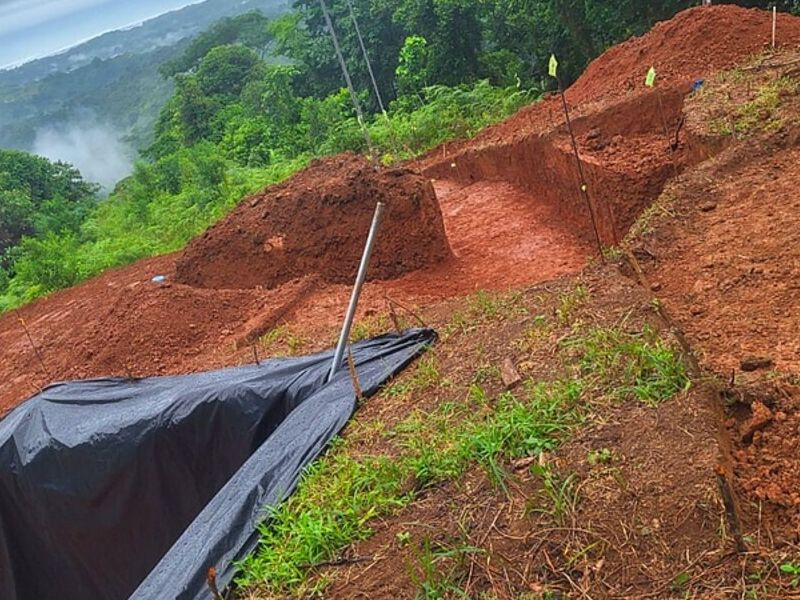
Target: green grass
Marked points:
762	113
341	494
484	307
438	569
618	365
282	341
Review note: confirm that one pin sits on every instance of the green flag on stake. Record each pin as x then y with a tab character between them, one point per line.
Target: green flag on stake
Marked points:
650	80
553	66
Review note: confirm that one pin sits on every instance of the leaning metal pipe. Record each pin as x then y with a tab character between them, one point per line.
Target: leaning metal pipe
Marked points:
338	356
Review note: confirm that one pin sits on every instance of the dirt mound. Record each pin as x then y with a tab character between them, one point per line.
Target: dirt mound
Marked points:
317	222
691	45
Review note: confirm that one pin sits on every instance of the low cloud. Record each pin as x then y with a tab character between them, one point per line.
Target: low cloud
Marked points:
96	151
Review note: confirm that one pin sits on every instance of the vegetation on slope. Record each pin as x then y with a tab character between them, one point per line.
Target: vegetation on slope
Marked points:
453	416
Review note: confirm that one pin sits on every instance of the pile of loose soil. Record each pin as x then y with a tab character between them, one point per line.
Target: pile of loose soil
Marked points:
317	222
691	45
765	432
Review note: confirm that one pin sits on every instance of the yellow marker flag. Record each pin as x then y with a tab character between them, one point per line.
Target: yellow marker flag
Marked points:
650	80
553	66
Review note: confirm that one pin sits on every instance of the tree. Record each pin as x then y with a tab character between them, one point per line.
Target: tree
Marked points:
250	29
412	70
16	217
225	70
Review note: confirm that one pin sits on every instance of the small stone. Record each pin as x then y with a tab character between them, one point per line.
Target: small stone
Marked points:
655	286
762	416
509	374
780	416
755	363
593	134
697	310
708	206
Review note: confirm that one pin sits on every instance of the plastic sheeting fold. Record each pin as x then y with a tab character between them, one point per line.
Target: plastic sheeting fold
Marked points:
114	488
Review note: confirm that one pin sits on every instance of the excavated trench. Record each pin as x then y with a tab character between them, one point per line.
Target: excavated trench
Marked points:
628	152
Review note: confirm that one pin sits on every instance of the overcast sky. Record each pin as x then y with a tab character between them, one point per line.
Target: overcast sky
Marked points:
35	28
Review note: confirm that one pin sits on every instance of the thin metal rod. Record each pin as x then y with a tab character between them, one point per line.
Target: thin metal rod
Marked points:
392	132
362	275
32	343
584	187
348	80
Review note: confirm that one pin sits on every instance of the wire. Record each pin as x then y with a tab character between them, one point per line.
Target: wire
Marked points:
392	132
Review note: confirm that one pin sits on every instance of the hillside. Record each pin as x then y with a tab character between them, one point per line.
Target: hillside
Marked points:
619	423
111	81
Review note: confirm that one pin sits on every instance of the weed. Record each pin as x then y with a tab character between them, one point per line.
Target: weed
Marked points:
426	376
792	569
538	330
760	112
680	583
629	365
486	373
369	328
560	495
569	302
282	341
437	570
645	224
612	253
603	456
483	307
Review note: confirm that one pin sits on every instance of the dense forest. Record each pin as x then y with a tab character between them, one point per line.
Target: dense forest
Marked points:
255	99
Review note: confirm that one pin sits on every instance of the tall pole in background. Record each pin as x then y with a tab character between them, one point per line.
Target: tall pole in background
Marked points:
346	72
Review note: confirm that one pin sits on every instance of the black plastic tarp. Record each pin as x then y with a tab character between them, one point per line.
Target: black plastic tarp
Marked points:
118	488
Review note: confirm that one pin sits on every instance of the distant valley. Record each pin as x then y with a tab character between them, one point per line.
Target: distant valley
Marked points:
95	104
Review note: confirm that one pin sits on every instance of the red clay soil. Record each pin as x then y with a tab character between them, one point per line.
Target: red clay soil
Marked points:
692	45
123	324
316	222
765	431
626	156
508	224
727	257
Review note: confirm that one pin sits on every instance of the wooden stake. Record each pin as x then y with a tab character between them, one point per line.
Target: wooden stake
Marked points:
731	513
211	578
774	25
351	365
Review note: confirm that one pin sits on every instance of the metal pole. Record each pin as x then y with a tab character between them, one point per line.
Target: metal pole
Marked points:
362	275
